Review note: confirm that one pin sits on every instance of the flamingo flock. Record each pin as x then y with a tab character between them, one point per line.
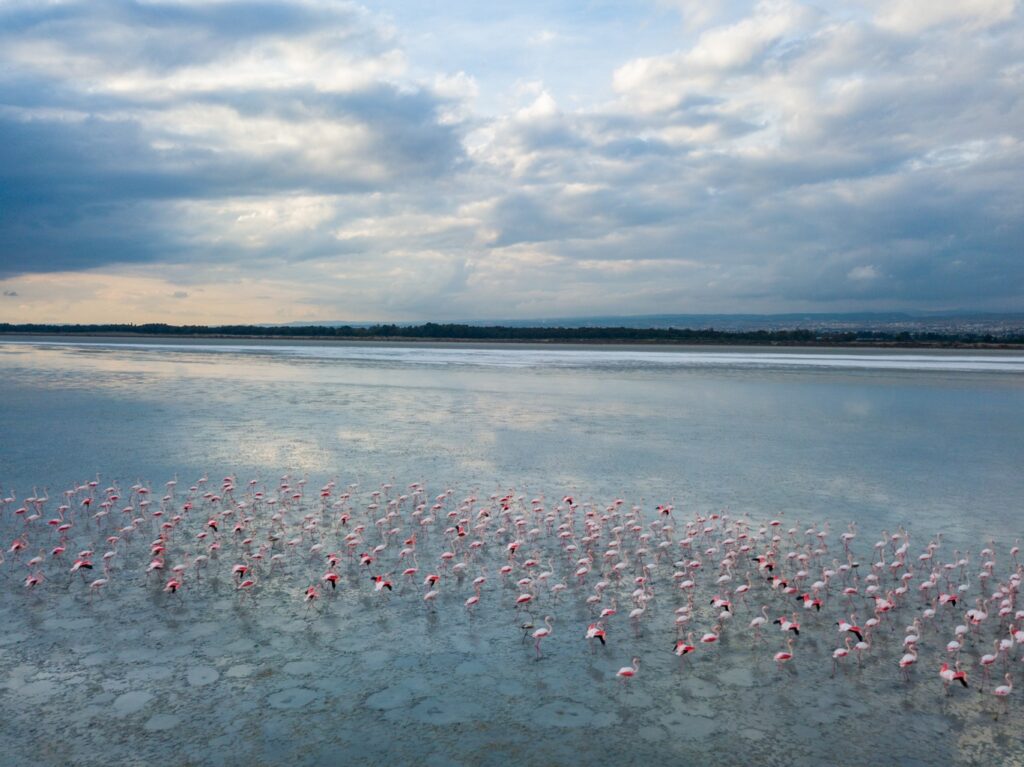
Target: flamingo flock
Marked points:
504	557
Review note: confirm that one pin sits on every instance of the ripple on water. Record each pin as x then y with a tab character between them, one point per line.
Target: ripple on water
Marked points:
240	646
472	668
202	675
38	689
130	702
13	638
301	668
202	630
376	659
511	687
292	697
563	713
398	695
439	711
689	708
71	625
699	688
282	644
695	727
160	722
151	673
135	655
739	676
651	733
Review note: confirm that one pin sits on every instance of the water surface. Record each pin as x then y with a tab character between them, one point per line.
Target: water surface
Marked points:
931	441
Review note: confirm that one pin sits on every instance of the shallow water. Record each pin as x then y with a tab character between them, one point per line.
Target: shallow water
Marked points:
932	442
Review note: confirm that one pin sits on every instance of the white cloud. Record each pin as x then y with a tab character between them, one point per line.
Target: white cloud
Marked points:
772	155
736	45
662	82
543	107
543	37
862	273
913	16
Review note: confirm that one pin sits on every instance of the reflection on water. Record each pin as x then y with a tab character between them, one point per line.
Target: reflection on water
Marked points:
884	446
565	356
214	681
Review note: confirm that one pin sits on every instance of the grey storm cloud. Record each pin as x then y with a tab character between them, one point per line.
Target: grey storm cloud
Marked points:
86	179
782	157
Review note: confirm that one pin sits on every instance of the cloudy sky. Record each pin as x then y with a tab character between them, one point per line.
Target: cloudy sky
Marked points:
265	161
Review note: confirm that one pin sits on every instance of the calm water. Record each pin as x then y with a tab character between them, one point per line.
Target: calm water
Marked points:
934	442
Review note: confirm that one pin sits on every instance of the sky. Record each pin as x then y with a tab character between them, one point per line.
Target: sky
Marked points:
262	161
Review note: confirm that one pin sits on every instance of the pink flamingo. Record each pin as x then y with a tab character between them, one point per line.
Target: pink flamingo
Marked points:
839	653
986	662
909	659
861	647
684	648
1003	691
541	633
628	672
246	587
952	674
759	621
784	655
95	586
712	636
608	612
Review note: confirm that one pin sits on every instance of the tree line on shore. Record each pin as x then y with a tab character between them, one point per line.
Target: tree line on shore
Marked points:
432	331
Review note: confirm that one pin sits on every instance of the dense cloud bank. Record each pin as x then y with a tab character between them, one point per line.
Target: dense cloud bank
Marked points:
248	161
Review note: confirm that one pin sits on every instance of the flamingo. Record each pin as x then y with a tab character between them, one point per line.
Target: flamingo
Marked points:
712	636
635	615
246	587
541	633
1003	691
759	621
628	672
608	612
909	659
861	647
96	585
839	653
526	626
310	596
952	674
851	627
987	661
684	648
788	625
784	655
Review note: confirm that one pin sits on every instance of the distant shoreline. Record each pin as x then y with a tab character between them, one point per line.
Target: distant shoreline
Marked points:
723	340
